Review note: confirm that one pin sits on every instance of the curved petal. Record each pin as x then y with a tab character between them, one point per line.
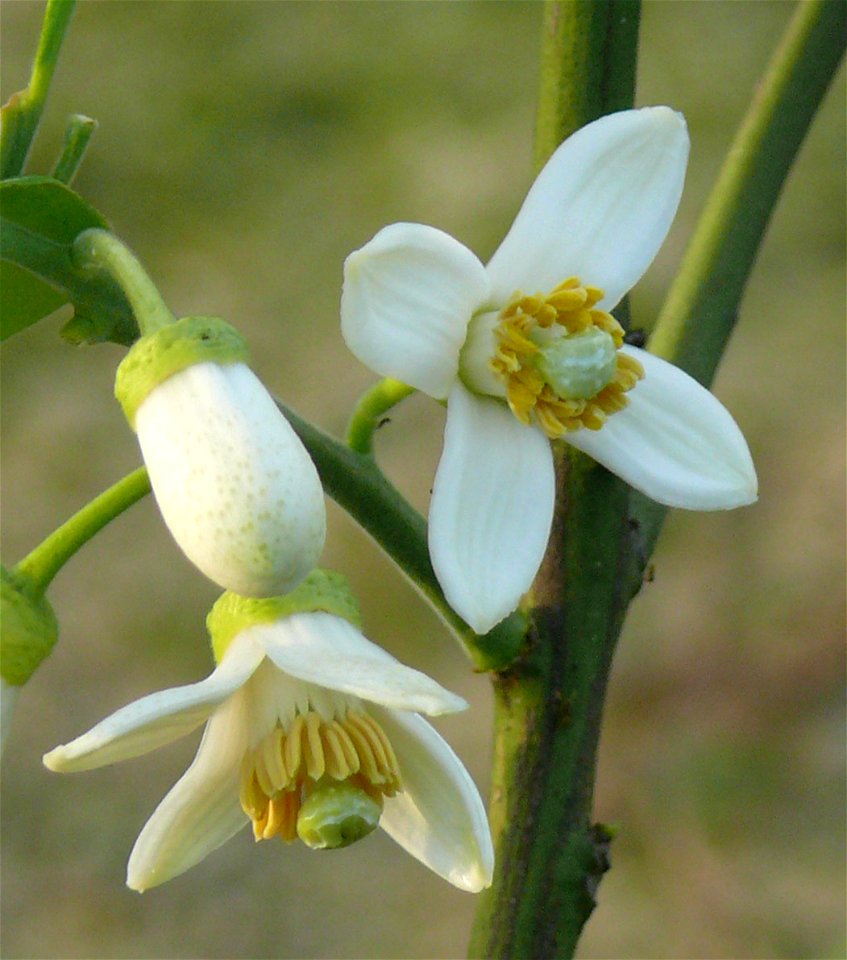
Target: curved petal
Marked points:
600	209
202	809
491	509
675	442
407	300
438	817
235	485
159	718
326	650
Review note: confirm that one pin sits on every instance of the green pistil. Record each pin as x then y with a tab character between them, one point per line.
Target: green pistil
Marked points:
336	814
579	365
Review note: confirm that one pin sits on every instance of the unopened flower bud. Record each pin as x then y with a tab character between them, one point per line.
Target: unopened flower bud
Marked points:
234	483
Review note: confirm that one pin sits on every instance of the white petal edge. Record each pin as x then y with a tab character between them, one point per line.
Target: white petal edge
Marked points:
234	483
329	651
9	694
600	209
439	817
159	718
408	297
675	442
202	809
491	509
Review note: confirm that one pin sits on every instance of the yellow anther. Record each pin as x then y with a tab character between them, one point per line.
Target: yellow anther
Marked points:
571	306
283	768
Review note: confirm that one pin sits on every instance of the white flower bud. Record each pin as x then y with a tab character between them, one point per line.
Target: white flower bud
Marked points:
234	483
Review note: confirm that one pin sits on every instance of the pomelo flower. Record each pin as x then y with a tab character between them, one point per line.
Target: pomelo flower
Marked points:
235	485
311	731
524	350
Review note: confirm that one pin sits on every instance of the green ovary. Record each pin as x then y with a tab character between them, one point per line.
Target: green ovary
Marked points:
335	815
579	365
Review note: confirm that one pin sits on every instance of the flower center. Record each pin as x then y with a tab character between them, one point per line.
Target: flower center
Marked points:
559	359
323	780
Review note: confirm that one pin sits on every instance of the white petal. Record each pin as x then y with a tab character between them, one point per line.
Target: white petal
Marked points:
491	510
408	297
9	694
328	651
201	811
675	442
438	817
600	209
159	718
235	485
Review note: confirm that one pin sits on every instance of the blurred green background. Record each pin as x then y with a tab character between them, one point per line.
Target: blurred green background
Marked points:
244	149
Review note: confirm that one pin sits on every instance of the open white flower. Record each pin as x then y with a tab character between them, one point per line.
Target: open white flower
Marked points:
235	485
525	350
312	730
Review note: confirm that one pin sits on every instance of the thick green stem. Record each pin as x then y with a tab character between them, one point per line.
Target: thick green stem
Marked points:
370	411
588	61
43	563
22	114
548	709
549	704
357	484
549	857
100	250
77	136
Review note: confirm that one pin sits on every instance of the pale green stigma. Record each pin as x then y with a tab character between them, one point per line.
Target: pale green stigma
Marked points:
336	814
579	365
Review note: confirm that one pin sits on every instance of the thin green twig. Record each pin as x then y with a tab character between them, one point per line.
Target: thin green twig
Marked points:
100	250
22	114
42	564
370	411
78	133
702	306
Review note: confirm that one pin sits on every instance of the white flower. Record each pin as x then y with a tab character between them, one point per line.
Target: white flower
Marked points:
235	485
311	729
532	328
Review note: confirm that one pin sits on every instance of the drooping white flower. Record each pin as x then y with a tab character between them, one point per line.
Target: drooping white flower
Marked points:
525	350
235	485
311	730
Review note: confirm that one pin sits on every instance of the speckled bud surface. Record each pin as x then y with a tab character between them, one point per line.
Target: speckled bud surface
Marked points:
234	483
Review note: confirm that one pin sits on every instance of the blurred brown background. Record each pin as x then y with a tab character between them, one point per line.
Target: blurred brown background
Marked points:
244	149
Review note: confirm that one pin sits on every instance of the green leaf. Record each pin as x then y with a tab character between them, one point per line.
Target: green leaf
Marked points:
39	220
26	299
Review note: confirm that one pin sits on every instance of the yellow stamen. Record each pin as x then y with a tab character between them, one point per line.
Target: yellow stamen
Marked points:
278	773
571	306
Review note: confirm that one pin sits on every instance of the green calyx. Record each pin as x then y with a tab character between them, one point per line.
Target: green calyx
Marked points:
28	628
322	590
579	365
160	355
336	814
